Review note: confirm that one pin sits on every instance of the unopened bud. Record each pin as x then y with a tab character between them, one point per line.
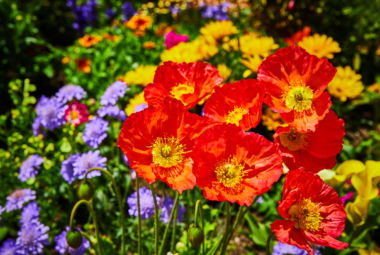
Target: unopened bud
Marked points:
196	235
74	238
86	190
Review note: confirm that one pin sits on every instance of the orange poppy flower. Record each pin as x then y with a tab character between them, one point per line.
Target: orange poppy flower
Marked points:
298	36
238	103
158	142
89	40
295	82
314	151
139	22
231	165
187	82
83	65
313	213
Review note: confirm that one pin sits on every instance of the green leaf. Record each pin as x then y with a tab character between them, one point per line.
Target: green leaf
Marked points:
374	208
49	71
258	231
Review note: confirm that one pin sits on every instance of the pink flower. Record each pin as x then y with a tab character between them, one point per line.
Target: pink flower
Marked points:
349	196
172	39
76	113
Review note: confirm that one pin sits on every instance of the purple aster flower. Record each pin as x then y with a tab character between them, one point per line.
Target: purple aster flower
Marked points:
218	12
28	168
51	112
37	127
95	132
113	111
140	107
283	248
9	247
128	11
31	238
62	244
2	209
30	212
87	161
125	160
67	168
146	203
85	14
260	200
133	174
167	208
69	92
18	198
110	13
113	92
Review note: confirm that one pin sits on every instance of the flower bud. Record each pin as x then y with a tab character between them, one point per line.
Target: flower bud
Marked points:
196	235
86	190
74	238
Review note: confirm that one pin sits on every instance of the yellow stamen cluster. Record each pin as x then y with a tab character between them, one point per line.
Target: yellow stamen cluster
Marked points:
307	215
180	90
298	96
167	152
236	115
294	140
74	115
230	173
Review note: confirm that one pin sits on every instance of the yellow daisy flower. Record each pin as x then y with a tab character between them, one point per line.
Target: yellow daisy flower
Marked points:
252	63
251	44
374	88
272	119
346	84
134	103
142	75
217	30
224	71
230	44
320	46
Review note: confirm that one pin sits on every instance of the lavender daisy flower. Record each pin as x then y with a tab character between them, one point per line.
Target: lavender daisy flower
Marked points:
167	208
68	92
51	113
113	111
28	168
18	198
62	244
31	238
113	92
67	168
87	161
37	127
9	247
146	203
95	132
30	212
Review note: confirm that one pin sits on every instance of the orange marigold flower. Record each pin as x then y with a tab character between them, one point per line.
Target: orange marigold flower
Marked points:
231	165
158	142
65	60
272	119
83	65
314	151
313	213
187	82
113	38
298	36
149	45
89	40
238	103
139	22
295	82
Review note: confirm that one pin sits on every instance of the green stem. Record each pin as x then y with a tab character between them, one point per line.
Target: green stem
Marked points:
225	242
174	224
197	208
92	212
216	247
91	244
138	215
173	212
156	222
119	200
268	242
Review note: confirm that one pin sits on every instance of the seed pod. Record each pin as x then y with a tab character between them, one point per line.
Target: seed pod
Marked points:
196	235
86	190
74	238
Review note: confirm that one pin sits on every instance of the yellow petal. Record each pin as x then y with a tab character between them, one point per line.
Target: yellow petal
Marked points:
348	169
357	211
366	181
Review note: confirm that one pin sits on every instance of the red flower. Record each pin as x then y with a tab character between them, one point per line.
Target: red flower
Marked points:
238	103
313	213
298	36
295	82
231	165
158	142
314	151
76	113
188	82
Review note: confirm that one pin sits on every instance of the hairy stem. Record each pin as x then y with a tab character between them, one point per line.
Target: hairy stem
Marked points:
268	242
225	242
138	215
156	222
174	209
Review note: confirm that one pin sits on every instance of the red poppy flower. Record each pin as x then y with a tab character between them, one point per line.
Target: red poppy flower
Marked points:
238	103
295	82
298	36
313	213
76	113
158	142
187	82
314	151
231	165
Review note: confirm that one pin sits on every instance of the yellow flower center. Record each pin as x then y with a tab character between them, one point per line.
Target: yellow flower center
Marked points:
74	115
180	90
307	215
236	115
298	96
167	152
294	140
230	173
